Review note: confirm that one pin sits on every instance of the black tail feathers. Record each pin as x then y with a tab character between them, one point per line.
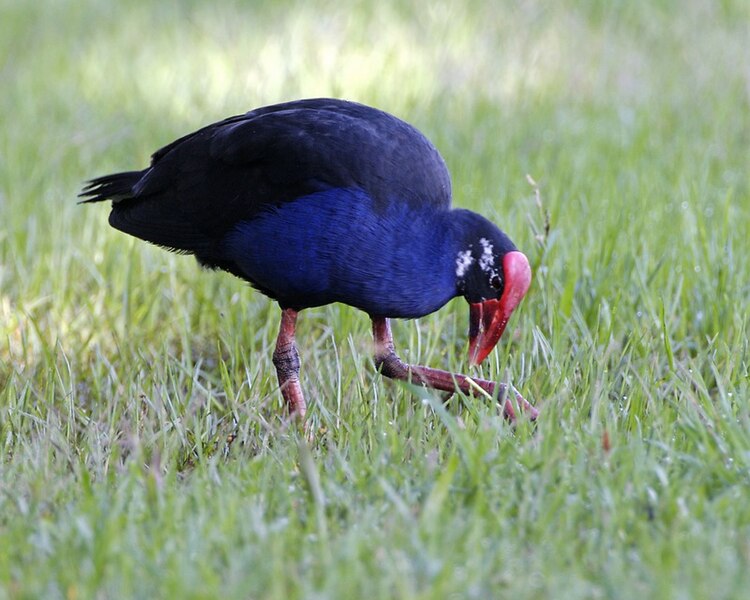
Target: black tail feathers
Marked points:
115	187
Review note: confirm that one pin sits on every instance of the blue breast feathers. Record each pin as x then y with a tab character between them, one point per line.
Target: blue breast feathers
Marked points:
335	246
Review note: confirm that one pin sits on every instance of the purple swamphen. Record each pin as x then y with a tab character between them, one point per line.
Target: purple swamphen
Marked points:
320	201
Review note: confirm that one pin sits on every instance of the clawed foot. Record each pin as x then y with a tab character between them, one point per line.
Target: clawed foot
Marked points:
509	409
390	365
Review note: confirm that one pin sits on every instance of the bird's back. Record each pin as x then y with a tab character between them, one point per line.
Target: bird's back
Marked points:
202	185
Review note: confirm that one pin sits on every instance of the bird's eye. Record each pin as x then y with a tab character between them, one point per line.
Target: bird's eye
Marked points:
496	282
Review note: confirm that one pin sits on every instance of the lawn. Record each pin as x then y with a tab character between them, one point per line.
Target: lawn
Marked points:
143	448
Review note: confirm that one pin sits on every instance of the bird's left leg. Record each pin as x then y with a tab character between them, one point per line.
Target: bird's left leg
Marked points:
286	361
390	365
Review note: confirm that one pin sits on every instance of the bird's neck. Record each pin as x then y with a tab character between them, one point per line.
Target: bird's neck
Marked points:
415	247
397	259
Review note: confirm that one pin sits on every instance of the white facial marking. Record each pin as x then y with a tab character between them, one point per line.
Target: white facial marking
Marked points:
487	260
463	262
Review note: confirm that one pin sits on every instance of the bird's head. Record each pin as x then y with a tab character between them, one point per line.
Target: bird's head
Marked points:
494	277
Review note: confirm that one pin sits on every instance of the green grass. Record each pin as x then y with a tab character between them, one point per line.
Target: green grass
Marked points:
143	453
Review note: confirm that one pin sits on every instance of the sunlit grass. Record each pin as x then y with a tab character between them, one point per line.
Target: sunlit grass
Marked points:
143	453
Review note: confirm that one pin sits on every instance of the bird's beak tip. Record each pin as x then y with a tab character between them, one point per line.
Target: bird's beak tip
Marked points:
485	329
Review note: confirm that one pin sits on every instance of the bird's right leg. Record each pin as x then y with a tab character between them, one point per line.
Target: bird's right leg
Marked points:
286	361
390	365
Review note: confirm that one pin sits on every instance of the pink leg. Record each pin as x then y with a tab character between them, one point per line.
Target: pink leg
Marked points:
390	365
286	361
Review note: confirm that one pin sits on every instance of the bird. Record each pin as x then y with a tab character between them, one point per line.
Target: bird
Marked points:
318	201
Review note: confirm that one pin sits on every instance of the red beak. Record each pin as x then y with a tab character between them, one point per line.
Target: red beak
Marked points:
487	320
